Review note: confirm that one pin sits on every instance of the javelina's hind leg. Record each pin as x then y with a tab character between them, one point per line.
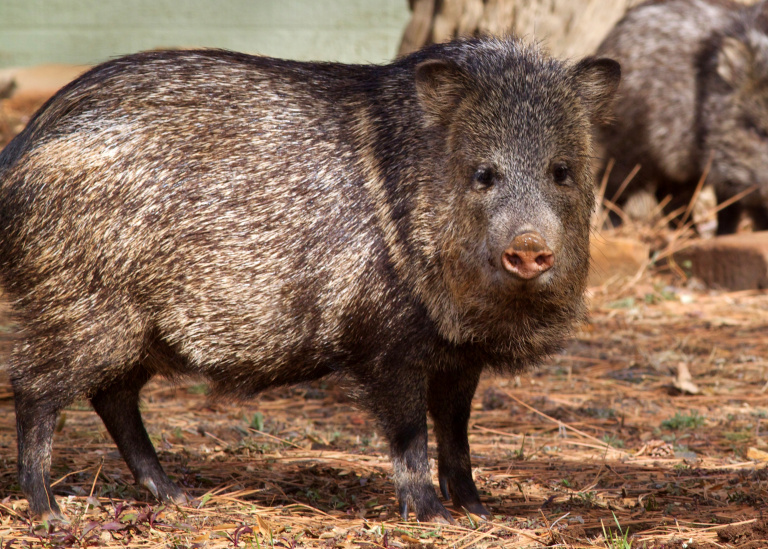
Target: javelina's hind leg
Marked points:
35	421
118	407
399	404
450	399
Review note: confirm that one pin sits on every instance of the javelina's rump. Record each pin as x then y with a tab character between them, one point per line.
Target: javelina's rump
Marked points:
262	222
693	98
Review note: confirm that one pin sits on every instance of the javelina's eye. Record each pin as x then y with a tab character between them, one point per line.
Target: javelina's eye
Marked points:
560	173
484	177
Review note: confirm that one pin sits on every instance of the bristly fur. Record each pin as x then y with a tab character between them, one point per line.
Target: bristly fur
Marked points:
257	221
693	97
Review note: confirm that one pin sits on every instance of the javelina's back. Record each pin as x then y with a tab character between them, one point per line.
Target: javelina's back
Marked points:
259	222
693	101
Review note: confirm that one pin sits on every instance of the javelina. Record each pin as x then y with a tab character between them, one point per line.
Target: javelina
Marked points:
259	222
694	87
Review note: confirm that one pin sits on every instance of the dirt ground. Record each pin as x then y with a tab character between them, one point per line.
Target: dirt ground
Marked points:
598	448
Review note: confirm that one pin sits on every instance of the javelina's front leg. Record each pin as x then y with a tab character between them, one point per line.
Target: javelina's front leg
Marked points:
450	399
398	400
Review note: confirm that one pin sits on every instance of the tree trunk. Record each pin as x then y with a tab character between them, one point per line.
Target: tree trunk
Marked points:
567	28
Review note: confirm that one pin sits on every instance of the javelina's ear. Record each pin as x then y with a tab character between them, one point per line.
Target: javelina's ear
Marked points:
734	60
440	86
596	81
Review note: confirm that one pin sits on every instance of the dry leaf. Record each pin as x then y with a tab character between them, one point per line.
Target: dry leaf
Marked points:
405	537
264	527
684	380
757	455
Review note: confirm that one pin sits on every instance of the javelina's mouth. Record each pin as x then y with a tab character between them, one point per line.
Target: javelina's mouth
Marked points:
535	284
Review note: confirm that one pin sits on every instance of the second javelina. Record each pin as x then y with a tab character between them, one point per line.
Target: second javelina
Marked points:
694	91
258	222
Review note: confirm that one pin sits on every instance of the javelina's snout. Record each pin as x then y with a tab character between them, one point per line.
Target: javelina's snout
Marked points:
528	256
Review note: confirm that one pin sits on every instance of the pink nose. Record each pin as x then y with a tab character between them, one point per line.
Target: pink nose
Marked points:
528	256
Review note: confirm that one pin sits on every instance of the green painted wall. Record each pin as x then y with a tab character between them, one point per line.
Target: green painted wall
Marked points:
36	32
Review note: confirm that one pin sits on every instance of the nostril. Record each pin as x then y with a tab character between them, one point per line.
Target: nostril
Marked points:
514	260
545	259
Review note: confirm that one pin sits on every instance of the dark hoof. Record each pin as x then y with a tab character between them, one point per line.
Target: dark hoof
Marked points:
429	511
45	509
439	519
477	509
55	516
465	496
444	487
168	493
179	498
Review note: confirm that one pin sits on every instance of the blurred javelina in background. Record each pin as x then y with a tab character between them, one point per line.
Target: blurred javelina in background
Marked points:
694	87
260	222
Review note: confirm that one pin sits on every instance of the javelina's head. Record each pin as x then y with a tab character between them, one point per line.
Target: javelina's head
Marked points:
517	194
734	117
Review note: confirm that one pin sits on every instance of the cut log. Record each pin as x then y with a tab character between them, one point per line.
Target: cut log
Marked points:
732	262
614	258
